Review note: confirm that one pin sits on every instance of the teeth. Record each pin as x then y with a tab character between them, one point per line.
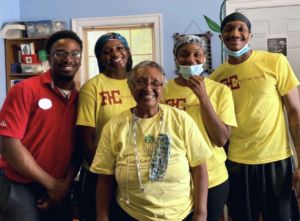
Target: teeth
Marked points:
68	67
149	96
116	60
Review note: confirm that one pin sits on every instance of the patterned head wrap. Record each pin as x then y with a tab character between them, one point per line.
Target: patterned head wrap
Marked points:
236	16
189	39
102	40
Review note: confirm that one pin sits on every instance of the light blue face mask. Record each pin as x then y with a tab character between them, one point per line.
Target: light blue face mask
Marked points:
238	53
187	71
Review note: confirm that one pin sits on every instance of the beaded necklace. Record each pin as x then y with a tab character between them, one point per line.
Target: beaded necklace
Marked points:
134	122
136	154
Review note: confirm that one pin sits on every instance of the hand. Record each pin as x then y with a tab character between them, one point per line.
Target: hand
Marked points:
58	190
45	203
296	181
197	85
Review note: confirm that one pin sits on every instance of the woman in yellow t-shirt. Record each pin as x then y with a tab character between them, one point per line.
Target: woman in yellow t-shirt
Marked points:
211	106
156	153
103	96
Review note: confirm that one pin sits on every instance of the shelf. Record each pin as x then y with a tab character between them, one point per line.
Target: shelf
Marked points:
12	48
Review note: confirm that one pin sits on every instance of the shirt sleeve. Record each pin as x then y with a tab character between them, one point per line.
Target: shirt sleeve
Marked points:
226	110
15	112
287	79
86	107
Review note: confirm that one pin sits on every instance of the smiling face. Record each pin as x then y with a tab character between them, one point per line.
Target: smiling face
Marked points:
114	56
235	35
190	54
64	68
146	87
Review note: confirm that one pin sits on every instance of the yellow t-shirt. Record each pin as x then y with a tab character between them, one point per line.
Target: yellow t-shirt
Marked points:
100	98
257	85
173	197
221	99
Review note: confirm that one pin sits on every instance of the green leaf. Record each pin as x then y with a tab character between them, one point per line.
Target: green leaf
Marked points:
212	25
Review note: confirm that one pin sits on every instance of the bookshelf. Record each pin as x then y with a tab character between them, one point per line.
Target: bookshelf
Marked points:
12	48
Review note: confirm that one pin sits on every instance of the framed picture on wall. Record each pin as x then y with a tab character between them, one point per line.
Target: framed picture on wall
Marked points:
277	45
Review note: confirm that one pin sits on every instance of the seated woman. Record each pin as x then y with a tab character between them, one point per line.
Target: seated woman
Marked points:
156	153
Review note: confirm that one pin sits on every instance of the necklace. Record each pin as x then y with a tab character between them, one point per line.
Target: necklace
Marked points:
65	93
160	152
134	122
136	154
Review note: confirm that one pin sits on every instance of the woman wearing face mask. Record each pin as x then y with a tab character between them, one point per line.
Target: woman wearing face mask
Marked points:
211	106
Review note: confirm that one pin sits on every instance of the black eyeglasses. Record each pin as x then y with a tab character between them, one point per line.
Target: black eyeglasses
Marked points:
63	54
142	83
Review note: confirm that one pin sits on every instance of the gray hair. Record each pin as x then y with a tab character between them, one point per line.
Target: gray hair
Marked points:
143	65
189	39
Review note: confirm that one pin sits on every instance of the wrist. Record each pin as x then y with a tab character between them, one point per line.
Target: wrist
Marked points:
50	183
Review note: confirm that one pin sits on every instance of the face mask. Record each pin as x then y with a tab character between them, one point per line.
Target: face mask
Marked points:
188	71
238	53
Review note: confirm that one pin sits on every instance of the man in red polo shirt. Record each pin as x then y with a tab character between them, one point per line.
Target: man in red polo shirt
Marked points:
37	133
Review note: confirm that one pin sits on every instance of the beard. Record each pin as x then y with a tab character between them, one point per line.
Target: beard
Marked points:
64	78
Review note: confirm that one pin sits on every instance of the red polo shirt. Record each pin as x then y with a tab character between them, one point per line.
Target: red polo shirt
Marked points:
44	121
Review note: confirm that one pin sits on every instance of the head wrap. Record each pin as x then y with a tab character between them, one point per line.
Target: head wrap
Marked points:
102	40
236	16
189	39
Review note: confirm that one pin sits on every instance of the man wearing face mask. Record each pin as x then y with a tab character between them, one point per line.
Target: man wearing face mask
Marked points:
259	166
210	104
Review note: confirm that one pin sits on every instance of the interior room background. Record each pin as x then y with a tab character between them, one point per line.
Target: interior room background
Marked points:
177	16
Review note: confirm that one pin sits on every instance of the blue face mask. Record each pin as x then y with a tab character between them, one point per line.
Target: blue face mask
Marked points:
187	71
238	53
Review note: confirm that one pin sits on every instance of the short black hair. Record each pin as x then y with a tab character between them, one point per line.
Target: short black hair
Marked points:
61	35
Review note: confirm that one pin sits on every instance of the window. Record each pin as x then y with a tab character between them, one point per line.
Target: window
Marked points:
143	34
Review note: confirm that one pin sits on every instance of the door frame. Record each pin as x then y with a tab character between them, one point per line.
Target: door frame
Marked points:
235	5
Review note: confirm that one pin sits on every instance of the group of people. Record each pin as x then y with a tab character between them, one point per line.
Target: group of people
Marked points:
151	149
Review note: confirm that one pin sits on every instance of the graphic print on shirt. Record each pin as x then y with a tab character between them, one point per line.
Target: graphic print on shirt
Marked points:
232	82
179	103
3	124
110	97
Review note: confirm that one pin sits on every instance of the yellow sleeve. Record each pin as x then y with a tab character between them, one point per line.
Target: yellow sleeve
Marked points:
226	110
86	107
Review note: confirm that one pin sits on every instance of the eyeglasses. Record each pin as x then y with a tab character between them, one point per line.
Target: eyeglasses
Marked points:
142	83
63	54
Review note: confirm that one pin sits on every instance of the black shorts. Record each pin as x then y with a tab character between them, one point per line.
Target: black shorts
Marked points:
217	197
260	189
